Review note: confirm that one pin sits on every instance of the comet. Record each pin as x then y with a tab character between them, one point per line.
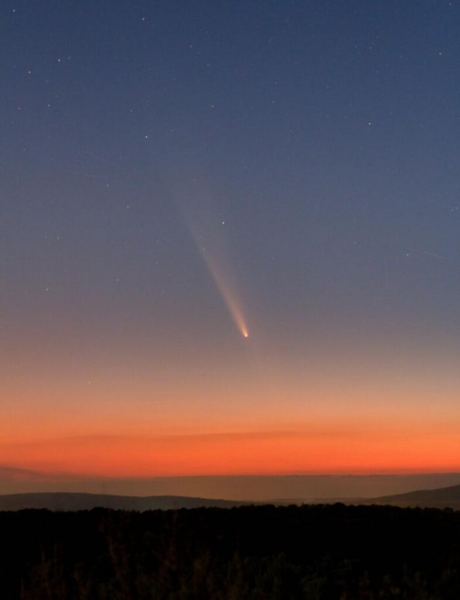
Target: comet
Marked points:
227	292
196	204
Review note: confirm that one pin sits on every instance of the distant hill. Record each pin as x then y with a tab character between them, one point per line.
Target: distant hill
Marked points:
447	497
64	501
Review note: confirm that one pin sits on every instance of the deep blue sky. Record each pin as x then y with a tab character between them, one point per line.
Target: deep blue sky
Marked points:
308	151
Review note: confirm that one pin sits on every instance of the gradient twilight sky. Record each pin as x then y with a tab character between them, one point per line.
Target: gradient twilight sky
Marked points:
175	173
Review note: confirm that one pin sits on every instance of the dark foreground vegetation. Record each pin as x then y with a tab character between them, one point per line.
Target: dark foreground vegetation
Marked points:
249	553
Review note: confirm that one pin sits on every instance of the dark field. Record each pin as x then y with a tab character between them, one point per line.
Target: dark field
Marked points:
285	553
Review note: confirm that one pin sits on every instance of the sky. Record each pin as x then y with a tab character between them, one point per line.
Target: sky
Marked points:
229	239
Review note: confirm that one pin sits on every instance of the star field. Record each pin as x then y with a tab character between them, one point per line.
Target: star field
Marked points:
176	175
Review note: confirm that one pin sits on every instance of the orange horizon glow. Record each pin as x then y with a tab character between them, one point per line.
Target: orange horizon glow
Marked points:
174	412
246	453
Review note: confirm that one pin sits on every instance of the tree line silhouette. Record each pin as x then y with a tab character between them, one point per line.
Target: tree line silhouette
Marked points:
322	552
